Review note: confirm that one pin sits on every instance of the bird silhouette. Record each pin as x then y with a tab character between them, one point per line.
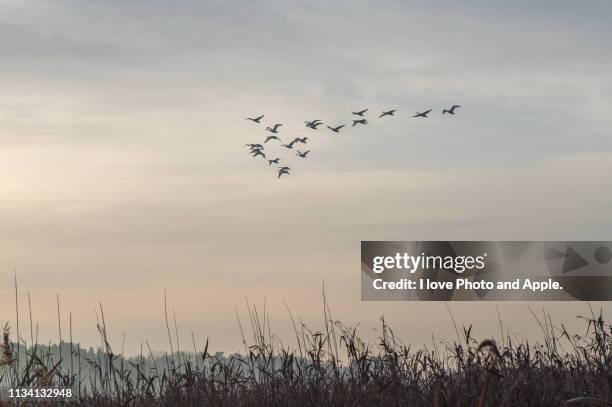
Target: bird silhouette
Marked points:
290	145
336	129
274	129
283	170
255	119
424	114
254	146
272	138
451	110
387	113
313	123
258	152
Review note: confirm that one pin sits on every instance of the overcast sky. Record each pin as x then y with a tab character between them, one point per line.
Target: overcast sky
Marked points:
123	171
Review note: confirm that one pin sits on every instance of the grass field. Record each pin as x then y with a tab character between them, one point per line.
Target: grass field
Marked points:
331	367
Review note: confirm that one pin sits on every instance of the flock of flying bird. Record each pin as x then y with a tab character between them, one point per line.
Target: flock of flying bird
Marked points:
257	150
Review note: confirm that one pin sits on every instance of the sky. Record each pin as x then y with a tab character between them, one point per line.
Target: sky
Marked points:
123	170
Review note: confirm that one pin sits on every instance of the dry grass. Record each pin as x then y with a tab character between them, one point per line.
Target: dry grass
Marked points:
334	367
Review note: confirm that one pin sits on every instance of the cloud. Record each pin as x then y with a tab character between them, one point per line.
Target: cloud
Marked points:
122	131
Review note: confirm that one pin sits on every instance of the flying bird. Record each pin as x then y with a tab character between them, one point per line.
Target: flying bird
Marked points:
274	129
388	113
258	152
284	170
302	140
303	155
424	114
275	161
271	138
313	123
451	110
254	146
290	145
255	119
336	129
360	121
360	113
